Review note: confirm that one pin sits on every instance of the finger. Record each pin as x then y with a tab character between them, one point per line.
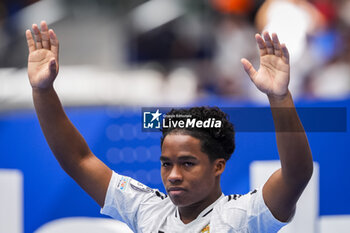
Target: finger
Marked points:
37	36
268	42
54	43
30	41
285	53
261	44
45	35
248	67
276	45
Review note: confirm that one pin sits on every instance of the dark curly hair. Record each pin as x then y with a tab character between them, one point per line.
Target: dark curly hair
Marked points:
215	142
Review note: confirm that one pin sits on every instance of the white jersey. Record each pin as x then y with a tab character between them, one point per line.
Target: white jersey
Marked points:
148	210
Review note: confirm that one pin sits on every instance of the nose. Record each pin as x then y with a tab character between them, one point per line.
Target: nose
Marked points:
175	175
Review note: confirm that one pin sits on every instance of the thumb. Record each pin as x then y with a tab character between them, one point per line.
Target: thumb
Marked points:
52	66
248	67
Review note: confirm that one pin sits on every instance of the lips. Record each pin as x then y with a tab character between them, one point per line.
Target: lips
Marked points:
176	190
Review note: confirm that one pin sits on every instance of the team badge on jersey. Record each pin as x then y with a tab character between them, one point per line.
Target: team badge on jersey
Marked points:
123	182
206	229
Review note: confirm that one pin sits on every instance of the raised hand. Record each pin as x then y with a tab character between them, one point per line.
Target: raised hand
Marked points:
43	56
272	77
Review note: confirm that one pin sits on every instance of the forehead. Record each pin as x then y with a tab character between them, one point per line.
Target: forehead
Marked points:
177	145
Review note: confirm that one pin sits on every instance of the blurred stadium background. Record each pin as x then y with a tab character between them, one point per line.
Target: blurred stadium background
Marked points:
119	56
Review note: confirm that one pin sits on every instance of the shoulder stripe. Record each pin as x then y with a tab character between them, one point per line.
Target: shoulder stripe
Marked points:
160	195
234	197
254	191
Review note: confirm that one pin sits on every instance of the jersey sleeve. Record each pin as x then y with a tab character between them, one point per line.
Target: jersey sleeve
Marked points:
249	213
260	217
124	197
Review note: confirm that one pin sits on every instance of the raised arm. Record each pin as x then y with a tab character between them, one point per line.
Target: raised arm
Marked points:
66	143
283	189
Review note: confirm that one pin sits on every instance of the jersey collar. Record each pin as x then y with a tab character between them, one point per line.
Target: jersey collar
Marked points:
206	212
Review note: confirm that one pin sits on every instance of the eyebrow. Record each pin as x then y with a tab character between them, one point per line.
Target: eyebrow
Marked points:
163	158
180	158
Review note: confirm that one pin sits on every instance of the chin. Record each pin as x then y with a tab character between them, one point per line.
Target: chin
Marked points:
179	201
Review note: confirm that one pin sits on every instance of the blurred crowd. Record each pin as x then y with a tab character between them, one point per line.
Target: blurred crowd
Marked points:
208	39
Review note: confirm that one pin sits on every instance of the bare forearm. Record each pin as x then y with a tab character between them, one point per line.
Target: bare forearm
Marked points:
68	146
292	143
65	141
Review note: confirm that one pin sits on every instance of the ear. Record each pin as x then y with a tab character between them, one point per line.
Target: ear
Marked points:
219	166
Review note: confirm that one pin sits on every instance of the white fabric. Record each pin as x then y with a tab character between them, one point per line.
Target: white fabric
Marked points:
307	208
11	201
147	210
83	224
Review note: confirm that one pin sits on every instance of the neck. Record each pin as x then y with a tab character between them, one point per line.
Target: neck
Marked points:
191	212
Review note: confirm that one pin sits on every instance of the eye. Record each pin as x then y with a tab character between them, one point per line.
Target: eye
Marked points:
188	164
165	164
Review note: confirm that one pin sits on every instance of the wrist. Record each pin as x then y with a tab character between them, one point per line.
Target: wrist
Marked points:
42	90
281	100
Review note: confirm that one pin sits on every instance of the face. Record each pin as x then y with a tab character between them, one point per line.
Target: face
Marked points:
187	173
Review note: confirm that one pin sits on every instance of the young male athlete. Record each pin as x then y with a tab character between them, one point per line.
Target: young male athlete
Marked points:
192	158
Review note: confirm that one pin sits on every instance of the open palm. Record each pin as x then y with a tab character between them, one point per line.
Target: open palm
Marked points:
272	77
43	56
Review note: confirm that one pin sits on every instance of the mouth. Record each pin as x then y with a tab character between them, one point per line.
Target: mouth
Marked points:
174	191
